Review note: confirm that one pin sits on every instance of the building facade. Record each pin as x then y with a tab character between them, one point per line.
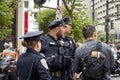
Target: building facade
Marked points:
102	9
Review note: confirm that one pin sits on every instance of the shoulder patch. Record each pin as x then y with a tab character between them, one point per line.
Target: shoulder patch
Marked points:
43	62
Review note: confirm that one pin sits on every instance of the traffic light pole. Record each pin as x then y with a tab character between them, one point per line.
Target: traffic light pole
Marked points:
93	13
58	3
107	21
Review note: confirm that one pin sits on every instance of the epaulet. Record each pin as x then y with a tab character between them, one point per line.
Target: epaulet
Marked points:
45	37
42	55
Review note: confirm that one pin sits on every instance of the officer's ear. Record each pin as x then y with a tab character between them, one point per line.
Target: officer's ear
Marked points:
38	44
57	29
94	35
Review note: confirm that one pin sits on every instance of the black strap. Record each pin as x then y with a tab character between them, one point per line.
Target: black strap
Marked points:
99	46
28	78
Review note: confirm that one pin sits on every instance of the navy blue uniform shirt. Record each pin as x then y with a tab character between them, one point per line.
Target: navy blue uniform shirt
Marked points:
49	46
40	70
69	48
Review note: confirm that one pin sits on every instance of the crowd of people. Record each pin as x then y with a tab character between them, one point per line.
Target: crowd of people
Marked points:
115	47
8	55
55	56
8	50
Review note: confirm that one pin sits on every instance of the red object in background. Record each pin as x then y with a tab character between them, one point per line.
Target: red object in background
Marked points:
25	22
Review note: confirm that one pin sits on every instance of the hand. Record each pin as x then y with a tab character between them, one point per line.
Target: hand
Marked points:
75	76
118	50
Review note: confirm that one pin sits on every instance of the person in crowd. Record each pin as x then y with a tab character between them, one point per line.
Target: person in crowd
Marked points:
11	46
53	50
82	53
7	51
118	50
32	65
9	54
66	38
70	48
114	50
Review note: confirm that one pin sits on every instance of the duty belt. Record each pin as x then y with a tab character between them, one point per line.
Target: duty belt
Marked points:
58	73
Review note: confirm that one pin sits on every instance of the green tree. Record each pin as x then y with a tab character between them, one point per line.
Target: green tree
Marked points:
7	8
77	25
112	38
101	36
78	13
45	17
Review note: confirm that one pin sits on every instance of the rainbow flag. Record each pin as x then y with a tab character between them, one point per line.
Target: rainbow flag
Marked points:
17	50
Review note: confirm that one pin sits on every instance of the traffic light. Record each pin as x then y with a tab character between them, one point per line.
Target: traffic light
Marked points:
112	25
39	2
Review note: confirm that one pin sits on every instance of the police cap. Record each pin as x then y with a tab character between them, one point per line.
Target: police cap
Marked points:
32	36
56	23
67	20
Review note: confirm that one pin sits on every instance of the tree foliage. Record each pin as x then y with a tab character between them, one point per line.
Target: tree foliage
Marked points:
78	13
45	17
101	36
77	25
7	8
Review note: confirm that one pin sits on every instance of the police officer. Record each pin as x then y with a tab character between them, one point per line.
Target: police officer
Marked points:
68	26
50	47
118	51
82	53
31	65
70	48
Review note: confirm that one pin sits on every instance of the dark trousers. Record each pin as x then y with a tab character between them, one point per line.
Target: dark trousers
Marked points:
12	75
118	55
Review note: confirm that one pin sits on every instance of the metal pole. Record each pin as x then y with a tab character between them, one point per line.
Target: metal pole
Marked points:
58	3
93	13
107	21
20	24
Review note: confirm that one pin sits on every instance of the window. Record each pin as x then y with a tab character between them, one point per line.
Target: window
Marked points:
103	11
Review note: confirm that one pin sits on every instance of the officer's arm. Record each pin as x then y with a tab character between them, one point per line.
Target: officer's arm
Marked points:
43	70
